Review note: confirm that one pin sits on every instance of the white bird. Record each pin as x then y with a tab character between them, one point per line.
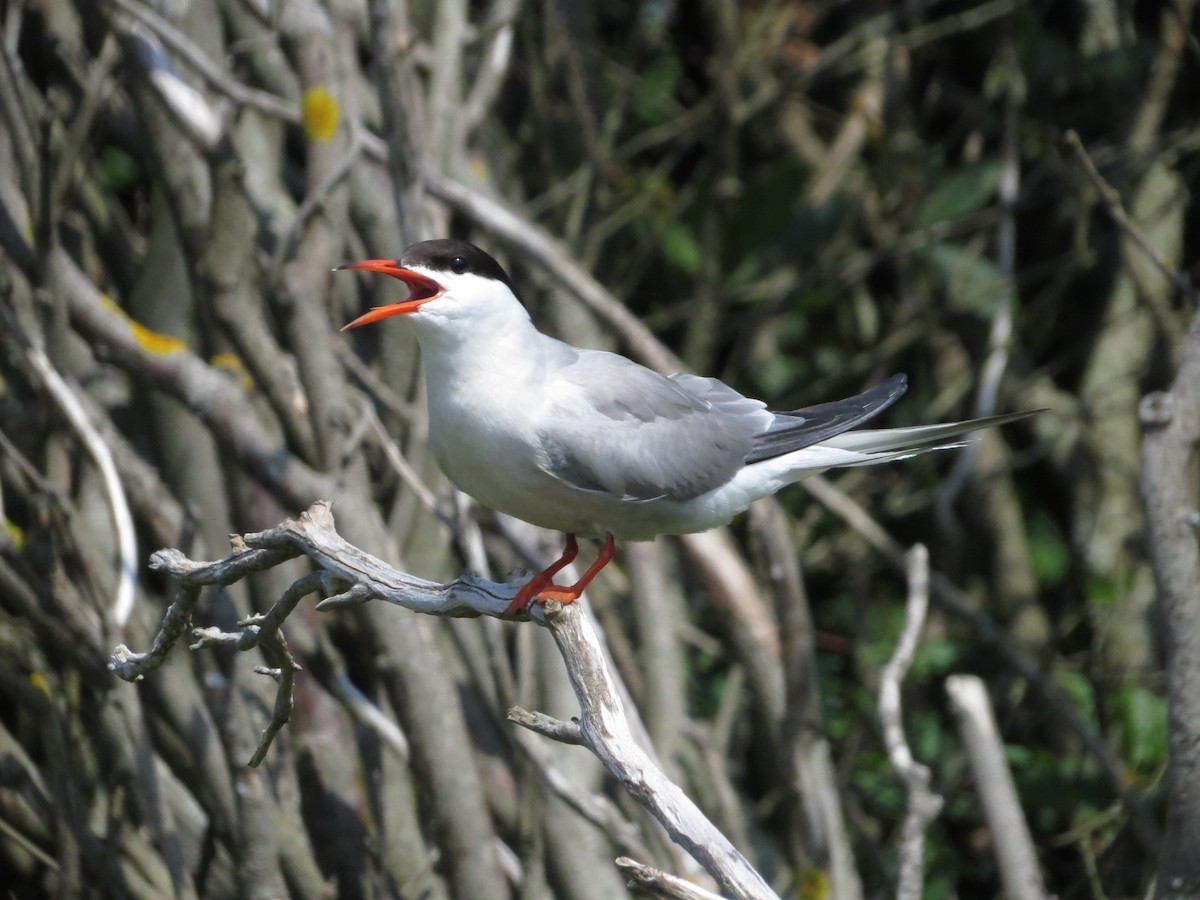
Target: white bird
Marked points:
589	442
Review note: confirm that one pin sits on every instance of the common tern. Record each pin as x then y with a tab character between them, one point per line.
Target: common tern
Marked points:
589	442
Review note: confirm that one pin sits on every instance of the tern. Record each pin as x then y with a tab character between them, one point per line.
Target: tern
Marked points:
589	442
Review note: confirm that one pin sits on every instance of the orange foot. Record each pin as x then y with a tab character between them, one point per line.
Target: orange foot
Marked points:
541	587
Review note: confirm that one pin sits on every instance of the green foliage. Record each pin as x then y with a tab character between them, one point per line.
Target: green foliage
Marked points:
938	657
1143	723
959	193
1081	690
657	84
117	170
681	248
970	279
1049	555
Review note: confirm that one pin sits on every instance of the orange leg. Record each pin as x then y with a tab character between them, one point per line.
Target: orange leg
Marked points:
542	587
543	579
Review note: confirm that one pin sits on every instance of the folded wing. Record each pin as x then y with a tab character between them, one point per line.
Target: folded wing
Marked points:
624	430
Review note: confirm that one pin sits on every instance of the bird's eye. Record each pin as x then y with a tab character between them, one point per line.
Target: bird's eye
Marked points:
458	265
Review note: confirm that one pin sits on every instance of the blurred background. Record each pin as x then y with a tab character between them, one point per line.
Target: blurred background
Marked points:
800	198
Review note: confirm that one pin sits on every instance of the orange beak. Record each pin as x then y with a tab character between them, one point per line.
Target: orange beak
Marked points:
421	289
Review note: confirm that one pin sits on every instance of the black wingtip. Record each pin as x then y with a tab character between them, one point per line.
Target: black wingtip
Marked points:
800	428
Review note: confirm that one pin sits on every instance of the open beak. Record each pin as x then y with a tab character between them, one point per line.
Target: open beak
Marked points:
421	289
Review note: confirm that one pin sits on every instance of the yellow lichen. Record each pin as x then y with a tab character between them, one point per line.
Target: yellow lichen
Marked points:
319	111
38	681
232	363
148	340
16	534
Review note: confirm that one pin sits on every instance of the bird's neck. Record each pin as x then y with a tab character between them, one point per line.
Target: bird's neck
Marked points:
502	349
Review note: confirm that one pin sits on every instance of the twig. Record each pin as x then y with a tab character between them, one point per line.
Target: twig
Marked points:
1016	857
661	884
133	666
595	808
358	575
1111	202
379	391
402	467
923	804
546	726
96	89
62	394
263	632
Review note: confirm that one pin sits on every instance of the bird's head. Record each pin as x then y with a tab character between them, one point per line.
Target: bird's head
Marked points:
449	283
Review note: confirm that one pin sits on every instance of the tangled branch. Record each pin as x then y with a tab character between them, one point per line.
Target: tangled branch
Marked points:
348	575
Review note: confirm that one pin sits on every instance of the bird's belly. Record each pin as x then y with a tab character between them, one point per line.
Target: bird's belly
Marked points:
499	468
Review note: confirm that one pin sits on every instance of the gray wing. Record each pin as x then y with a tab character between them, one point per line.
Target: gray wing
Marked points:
619	428
802	428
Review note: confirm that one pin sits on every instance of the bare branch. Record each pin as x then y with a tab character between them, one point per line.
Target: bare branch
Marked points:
1171	423
596	808
605	731
603	727
546	726
1111	201
661	884
62	394
187	49
1016	858
494	65
923	804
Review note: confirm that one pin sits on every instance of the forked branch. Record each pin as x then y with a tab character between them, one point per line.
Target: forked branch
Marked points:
348	575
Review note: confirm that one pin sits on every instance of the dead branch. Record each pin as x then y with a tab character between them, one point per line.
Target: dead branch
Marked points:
1171	423
923	804
985	749
1111	201
660	884
348	575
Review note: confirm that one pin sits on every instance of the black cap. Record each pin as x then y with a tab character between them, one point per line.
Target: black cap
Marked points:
459	257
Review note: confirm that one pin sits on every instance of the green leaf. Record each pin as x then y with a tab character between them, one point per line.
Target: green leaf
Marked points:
1080	690
1049	555
1143	727
680	246
118	170
936	657
959	194
1018	756
972	282
655	102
